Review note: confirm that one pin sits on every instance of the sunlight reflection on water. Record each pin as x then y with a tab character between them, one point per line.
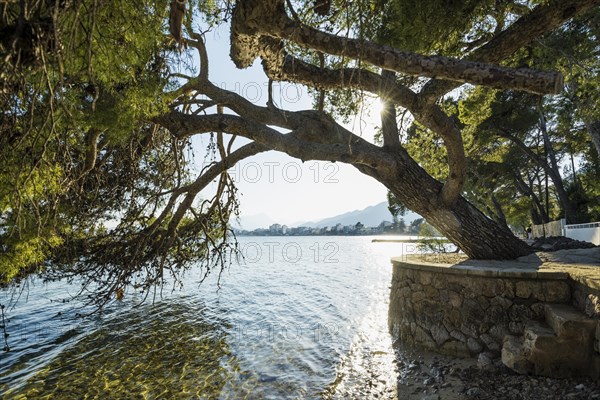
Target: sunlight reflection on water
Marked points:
301	317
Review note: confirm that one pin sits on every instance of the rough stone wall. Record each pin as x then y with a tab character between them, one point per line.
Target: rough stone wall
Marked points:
466	312
586	299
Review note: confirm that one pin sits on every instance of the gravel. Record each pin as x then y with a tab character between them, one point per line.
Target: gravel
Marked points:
452	378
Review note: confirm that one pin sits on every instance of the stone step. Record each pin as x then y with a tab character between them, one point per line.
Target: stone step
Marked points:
539	336
562	347
568	322
515	355
541	352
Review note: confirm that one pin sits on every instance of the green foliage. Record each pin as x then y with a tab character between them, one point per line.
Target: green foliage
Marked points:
580	200
77	146
427	148
517	211
436	26
430	240
589	179
82	80
415	226
395	207
25	255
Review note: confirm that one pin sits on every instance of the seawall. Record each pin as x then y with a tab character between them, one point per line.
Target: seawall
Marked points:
471	307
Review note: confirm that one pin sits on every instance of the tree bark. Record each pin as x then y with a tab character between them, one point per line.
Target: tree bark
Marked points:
259	29
253	19
497	214
389	124
477	235
313	135
468	228
430	115
535	216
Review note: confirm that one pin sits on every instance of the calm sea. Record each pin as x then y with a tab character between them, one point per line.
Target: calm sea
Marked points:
299	317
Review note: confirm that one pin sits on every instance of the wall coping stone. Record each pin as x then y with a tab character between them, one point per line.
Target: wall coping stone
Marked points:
579	265
473	270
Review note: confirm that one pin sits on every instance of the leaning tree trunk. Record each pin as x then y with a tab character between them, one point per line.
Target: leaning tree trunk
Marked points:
475	234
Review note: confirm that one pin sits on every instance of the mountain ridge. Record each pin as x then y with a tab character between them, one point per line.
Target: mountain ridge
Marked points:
370	216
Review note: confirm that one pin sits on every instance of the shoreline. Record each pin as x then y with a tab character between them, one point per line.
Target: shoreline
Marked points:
441	240
431	376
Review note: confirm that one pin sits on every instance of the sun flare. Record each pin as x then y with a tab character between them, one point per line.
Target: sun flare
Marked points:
376	107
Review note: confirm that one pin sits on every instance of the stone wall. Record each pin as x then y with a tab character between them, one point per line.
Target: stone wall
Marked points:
461	310
586	298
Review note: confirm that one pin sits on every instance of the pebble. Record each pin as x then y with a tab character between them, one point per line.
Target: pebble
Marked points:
436	372
452	378
413	367
484	362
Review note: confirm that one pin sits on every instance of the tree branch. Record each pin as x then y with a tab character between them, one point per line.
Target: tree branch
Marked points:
91	152
430	115
307	142
543	19
299	71
208	176
249	27
389	124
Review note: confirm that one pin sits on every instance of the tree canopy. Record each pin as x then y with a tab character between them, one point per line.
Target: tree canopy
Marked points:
99	103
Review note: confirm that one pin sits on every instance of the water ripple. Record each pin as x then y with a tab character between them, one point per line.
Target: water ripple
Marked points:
276	329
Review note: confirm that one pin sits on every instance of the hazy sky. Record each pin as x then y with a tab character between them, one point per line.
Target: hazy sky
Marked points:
274	184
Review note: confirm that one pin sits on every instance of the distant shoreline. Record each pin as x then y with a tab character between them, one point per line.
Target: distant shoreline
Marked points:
394	237
408	240
394	240
408	235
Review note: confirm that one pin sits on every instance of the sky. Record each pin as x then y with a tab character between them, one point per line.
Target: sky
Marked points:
283	188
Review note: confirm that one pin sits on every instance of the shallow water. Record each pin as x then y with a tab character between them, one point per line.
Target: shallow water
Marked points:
301	317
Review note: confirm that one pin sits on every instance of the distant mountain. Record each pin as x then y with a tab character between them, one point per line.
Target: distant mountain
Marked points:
370	216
